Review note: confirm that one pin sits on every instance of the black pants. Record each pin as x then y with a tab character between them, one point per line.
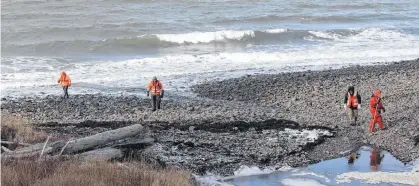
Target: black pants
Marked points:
65	88
156	101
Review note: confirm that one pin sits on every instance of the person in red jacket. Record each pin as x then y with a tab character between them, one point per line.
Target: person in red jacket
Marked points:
157	92
352	102
376	106
65	82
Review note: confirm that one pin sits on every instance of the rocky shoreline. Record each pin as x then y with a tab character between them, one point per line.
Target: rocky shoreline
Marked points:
316	98
264	120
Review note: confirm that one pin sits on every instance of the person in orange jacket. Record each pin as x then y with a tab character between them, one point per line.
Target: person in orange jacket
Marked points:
157	92
65	82
352	102
376	106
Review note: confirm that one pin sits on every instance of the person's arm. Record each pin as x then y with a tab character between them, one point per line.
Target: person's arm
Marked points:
69	80
380	105
59	80
345	101
359	98
162	90
148	89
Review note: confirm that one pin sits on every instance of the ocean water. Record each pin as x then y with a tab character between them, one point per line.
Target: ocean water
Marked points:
115	47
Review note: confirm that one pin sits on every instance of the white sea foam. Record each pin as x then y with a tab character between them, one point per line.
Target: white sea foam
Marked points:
371	35
278	30
326	35
216	36
186	69
358	35
206	37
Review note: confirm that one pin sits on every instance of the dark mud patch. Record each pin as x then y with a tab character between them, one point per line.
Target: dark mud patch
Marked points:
236	126
219	147
88	124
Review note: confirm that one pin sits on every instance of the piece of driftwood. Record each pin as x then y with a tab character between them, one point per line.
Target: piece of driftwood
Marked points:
75	146
103	138
135	143
29	149
107	153
28	154
5	149
12	142
63	148
43	148
104	154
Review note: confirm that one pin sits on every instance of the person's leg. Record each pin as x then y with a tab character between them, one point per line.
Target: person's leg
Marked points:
372	124
355	115
158	100
350	115
373	117
380	122
66	91
154	102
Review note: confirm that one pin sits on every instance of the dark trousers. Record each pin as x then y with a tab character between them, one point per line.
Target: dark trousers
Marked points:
65	88
156	101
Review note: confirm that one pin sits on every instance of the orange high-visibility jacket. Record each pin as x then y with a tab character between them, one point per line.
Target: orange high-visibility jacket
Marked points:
352	101
375	106
155	87
64	80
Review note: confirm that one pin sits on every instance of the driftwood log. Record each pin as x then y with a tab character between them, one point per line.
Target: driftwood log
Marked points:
26	152
102	138
5	149
107	153
78	147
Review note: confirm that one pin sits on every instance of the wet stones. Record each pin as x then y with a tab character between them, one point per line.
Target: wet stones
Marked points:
214	147
293	94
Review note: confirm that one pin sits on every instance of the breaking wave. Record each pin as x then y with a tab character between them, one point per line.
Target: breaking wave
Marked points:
223	37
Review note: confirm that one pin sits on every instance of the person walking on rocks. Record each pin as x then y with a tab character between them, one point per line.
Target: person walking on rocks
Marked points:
65	82
376	106
157	92
352	103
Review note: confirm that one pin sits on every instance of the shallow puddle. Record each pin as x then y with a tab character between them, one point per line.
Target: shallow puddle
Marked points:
363	171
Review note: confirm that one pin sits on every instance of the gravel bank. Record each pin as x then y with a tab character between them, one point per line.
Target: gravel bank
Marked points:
197	134
316	98
263	120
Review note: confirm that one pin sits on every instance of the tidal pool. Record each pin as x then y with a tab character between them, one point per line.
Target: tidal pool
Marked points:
372	167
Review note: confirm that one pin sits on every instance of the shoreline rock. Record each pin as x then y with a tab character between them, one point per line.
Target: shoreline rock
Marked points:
209	133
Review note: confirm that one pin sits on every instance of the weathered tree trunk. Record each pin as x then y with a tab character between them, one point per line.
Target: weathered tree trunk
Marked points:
107	153
5	149
102	138
25	154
